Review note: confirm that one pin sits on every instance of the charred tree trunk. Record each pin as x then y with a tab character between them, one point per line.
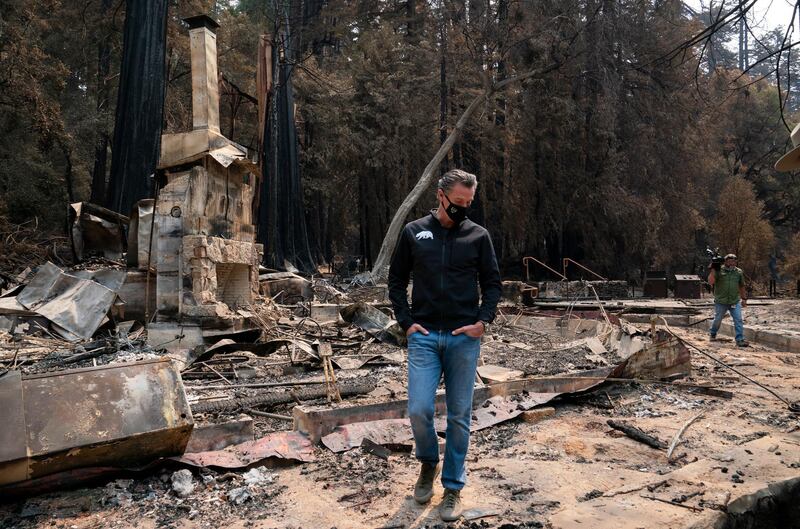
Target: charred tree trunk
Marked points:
99	171
365	224
495	187
443	82
374	195
282	218
69	183
318	226
140	104
412	31
101	144
458	157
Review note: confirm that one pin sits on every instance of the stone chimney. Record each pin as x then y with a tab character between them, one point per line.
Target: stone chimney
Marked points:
205	80
204	248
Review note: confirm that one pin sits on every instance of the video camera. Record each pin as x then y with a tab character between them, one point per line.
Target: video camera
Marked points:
716	258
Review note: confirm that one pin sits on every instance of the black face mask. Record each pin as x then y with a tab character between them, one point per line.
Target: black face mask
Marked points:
456	213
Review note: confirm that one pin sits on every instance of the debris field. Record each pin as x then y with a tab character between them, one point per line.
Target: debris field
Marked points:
297	418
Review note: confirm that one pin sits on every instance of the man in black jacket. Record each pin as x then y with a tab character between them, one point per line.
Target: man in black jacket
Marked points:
449	256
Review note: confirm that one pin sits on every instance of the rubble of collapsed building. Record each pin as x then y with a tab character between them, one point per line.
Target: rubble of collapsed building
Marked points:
167	364
323	376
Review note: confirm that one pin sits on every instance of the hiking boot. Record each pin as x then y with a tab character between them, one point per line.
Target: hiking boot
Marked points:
450	508
713	338
423	489
742	343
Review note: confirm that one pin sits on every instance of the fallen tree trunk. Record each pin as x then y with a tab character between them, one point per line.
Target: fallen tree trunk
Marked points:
273	399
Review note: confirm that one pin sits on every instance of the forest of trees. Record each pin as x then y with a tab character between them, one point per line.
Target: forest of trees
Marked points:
626	145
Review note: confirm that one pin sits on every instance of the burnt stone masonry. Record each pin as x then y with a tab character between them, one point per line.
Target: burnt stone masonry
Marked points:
205	255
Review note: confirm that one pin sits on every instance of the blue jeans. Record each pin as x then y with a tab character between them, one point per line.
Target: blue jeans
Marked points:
428	358
736	314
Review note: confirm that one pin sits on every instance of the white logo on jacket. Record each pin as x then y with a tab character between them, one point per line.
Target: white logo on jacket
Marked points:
424	235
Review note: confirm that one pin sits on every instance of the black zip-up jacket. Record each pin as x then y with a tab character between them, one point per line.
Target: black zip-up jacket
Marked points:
447	266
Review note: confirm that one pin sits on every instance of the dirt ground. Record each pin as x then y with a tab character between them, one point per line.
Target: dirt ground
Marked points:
784	315
569	470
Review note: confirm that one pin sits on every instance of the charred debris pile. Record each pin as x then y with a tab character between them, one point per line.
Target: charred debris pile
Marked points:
103	380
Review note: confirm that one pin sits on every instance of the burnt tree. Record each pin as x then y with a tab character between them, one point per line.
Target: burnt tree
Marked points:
281	214
140	104
101	107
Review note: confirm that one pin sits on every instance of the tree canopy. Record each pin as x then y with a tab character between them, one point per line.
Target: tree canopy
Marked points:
616	156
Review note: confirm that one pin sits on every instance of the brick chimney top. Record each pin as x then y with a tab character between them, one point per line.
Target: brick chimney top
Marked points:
205	81
201	21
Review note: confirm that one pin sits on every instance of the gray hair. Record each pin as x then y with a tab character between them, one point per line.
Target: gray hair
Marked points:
456	176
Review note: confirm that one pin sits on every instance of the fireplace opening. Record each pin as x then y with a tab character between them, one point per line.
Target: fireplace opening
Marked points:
233	284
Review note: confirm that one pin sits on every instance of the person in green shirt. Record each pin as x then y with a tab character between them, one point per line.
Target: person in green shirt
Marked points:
729	296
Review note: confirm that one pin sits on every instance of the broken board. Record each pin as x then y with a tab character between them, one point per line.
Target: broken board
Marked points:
493	373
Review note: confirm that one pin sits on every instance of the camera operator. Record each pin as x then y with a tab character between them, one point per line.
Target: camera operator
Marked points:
729	296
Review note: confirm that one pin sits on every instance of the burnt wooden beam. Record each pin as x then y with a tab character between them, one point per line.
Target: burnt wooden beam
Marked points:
637	434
